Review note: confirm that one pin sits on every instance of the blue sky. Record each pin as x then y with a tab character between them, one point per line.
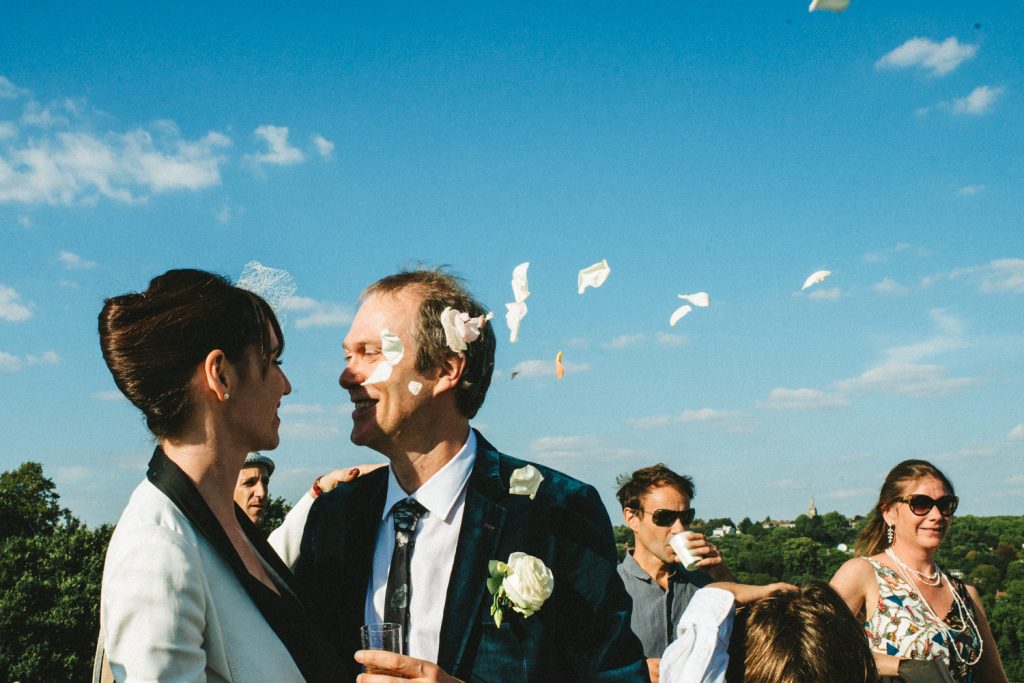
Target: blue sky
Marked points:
732	148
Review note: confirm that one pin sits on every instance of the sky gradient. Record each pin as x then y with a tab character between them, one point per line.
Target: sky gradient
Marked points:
727	148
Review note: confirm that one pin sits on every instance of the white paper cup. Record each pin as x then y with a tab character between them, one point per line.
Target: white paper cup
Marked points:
686	558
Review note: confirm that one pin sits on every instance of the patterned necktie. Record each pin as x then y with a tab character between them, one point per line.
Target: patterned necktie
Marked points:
396	596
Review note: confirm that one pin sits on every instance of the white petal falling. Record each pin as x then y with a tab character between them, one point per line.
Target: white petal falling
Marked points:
515	314
700	299
451	331
815	277
679	314
520	286
593	276
414	387
830	5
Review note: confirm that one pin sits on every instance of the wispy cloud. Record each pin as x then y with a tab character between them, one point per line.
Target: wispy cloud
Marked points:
979	102
323	146
885	254
12	363
537	369
110	395
72	261
9	362
625	340
1000	275
1017	433
910	379
279	152
671	340
11	309
782	398
45	358
890	286
9	91
826	294
314	313
937	58
969	190
577	449
7	130
730	420
228	212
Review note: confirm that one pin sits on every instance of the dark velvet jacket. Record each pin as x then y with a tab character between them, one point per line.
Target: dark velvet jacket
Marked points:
582	631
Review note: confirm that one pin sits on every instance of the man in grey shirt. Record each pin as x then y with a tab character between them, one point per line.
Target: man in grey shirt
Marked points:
656	506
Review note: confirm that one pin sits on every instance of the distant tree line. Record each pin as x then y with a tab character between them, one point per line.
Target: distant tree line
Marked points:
51	567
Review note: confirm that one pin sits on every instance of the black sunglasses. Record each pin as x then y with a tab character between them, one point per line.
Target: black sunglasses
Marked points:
669	517
921	504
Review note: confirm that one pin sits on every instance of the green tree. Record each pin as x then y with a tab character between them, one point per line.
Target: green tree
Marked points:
28	502
277	508
1007	620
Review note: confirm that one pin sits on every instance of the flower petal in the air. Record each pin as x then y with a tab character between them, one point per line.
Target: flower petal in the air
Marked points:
559	370
815	277
830	5
679	313
593	276
520	287
515	314
700	299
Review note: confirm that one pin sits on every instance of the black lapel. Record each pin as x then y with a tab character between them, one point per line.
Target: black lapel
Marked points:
482	521
283	613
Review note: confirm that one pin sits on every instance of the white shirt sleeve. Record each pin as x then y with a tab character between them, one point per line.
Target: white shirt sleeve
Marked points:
701	649
287	538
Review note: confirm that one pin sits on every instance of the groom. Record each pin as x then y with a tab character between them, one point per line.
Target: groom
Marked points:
426	380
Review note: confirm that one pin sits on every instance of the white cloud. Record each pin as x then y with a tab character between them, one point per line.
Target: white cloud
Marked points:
782	398
10	309
279	152
324	146
45	358
889	286
227	213
909	379
978	102
7	130
9	91
826	294
73	167
969	190
1017	433
1001	275
310	431
705	414
671	340
731	419
938	58
571	450
624	340
651	421
110	395
316	313
72	261
885	254
9	362
948	337
534	369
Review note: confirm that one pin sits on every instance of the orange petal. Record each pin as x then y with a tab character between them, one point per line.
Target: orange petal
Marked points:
559	370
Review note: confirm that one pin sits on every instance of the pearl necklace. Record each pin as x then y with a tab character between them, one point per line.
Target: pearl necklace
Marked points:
944	628
935	579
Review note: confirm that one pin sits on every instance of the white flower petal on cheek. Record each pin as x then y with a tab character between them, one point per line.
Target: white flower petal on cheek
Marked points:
515	314
520	287
593	276
679	314
415	387
392	350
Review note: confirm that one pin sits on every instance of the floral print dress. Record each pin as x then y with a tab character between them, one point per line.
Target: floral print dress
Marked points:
903	627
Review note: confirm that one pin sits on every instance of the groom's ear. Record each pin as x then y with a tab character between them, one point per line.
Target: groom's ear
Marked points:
449	373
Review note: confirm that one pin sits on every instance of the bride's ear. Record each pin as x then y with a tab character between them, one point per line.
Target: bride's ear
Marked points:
218	374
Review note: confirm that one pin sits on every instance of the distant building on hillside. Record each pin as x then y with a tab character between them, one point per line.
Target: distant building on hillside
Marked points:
776	523
720	531
812	511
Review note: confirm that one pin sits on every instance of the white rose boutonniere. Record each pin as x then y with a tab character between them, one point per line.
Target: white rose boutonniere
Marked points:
525	481
523	583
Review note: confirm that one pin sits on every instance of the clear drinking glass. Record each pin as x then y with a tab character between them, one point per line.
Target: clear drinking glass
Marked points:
385	636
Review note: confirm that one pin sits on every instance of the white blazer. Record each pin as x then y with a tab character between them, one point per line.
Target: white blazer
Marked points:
173	610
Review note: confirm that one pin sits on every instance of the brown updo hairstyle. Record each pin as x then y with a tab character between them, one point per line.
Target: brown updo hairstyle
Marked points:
152	341
792	636
872	538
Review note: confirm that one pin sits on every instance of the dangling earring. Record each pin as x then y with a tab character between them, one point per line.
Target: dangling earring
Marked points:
890	533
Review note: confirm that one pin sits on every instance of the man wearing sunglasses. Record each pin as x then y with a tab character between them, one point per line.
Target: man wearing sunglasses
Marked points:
656	506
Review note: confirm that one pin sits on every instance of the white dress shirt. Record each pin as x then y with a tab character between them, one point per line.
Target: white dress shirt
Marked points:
436	537
701	649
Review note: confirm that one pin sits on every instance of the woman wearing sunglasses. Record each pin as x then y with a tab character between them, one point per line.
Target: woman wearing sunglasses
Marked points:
915	615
